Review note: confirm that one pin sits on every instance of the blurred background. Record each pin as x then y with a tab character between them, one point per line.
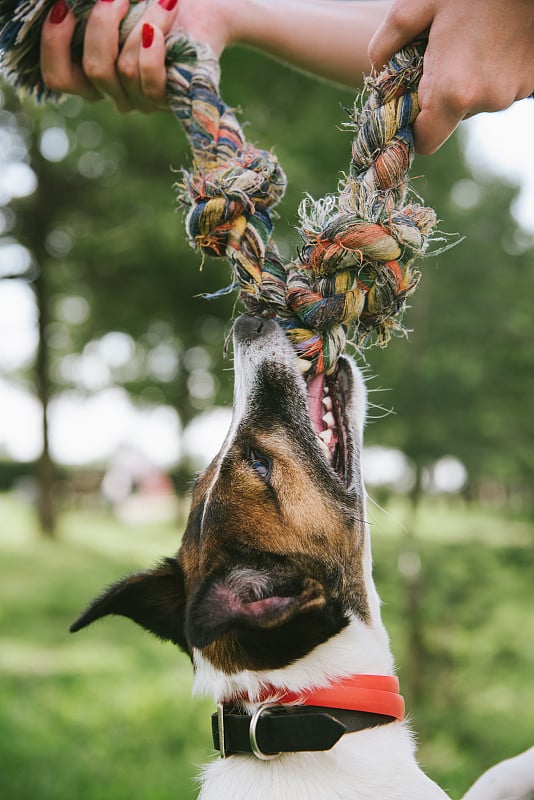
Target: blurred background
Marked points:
114	391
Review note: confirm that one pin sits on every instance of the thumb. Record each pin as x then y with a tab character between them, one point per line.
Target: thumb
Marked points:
405	21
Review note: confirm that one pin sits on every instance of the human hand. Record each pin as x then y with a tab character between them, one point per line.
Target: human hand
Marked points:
478	58
133	75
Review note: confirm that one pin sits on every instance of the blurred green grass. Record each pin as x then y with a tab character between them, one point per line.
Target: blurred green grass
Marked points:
107	714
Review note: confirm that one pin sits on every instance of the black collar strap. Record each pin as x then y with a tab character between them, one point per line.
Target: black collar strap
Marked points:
274	729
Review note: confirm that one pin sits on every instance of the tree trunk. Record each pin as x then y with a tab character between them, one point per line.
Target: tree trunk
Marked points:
45	466
410	568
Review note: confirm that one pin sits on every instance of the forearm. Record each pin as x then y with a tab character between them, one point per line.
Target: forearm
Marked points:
326	37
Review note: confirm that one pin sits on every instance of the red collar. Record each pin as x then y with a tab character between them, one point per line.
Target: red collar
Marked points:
377	694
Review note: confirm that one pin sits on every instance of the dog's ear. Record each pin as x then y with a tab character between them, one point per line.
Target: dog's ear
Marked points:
155	599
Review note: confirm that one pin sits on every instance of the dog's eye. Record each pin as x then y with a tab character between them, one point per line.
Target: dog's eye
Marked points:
261	464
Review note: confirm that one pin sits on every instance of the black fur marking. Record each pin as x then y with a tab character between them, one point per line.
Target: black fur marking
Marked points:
275	648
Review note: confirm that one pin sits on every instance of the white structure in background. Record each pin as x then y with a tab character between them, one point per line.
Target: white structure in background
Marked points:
139	492
205	434
385	466
501	144
90	430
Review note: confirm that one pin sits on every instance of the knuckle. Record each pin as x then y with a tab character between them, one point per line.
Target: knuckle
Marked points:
459	98
153	91
400	17
475	97
525	89
53	80
496	100
95	69
127	69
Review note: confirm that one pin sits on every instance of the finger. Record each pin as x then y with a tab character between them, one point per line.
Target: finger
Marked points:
431	130
439	119
58	71
101	49
151	58
159	18
405	21
446	96
442	108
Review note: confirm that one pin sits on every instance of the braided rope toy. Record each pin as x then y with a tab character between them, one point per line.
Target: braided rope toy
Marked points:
355	269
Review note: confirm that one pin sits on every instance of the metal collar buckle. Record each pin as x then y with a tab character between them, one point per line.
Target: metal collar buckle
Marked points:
255	718
220	727
252	733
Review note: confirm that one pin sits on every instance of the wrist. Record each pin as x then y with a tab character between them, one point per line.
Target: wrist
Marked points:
247	19
231	22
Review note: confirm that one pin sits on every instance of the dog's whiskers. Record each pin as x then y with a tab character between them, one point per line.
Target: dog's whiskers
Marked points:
396	521
387	411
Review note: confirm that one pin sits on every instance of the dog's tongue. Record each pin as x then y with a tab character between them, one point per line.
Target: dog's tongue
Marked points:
315	389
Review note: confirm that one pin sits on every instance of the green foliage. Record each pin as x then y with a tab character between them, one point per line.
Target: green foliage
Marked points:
108	714
10	472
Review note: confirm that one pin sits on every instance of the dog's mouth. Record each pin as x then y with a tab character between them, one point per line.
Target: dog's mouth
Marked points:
328	399
262	349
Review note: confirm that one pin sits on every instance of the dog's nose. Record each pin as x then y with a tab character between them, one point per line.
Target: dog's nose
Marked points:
248	327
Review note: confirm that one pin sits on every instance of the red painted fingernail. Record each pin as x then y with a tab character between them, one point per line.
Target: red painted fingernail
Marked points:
147	35
106	1
168	5
59	12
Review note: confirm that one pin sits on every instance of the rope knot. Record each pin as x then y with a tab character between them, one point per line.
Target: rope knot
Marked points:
233	185
230	208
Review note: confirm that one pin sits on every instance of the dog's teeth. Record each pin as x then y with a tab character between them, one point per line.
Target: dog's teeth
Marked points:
327	436
327	403
325	449
329	420
326	390
303	365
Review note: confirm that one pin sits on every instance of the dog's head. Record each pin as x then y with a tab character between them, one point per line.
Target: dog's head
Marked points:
271	562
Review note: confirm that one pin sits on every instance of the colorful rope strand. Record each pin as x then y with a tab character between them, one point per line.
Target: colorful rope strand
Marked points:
355	269
232	185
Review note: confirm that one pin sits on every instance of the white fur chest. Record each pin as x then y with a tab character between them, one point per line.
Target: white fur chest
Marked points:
376	764
373	765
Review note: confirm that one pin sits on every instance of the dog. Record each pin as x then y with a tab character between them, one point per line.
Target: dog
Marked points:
272	596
